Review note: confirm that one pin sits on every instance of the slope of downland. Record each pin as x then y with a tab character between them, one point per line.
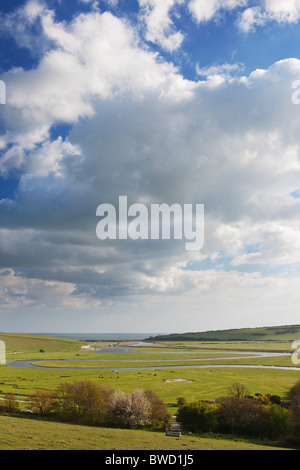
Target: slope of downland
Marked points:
285	333
30	434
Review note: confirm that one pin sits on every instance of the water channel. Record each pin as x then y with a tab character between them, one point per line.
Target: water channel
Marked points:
127	349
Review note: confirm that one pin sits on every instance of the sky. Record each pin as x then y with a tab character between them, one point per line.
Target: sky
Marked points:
161	101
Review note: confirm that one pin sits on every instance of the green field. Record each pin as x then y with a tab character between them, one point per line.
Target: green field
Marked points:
171	383
28	434
193	384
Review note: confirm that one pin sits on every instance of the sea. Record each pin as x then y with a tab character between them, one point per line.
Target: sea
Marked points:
101	336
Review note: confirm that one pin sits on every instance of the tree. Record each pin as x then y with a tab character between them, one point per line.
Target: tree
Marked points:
295	409
294	434
131	410
251	417
276	423
263	399
181	401
10	403
159	417
295	390
238	390
139	409
41	402
83	401
241	416
118	408
274	399
198	416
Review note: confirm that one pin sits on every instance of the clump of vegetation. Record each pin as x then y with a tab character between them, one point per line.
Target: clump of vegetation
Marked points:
9	404
238	413
198	416
41	402
248	417
129	410
87	402
294	434
82	402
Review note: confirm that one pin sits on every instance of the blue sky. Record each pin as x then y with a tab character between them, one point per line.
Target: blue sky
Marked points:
211	42
183	101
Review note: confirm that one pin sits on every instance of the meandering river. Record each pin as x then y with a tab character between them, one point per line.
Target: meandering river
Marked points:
33	364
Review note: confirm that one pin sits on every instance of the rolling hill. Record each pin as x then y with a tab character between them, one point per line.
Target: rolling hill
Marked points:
271	333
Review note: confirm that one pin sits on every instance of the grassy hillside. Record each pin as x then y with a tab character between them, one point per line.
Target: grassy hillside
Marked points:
271	333
31	343
24	346
30	434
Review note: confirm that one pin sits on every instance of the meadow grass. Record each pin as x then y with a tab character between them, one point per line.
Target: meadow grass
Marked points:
163	360
204	383
210	382
17	343
269	345
169	384
30	434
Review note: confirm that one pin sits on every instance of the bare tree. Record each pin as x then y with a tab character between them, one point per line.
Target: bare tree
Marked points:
10	403
41	402
238	390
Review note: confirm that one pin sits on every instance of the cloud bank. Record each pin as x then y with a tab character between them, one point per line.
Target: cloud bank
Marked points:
137	126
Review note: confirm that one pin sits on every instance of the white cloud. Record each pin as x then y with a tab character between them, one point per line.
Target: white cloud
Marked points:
249	17
159	26
97	56
204	11
280	11
17	291
283	10
252	17
139	128
225	70
41	160
162	149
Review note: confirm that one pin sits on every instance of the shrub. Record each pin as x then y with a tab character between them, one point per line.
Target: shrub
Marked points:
181	401
87	402
117	408
276	423
293	437
10	404
159	416
295	409
133	410
253	418
241	416
275	399
41	402
83	401
263	399
198	416
295	390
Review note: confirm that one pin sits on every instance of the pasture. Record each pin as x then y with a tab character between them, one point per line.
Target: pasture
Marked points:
66	360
